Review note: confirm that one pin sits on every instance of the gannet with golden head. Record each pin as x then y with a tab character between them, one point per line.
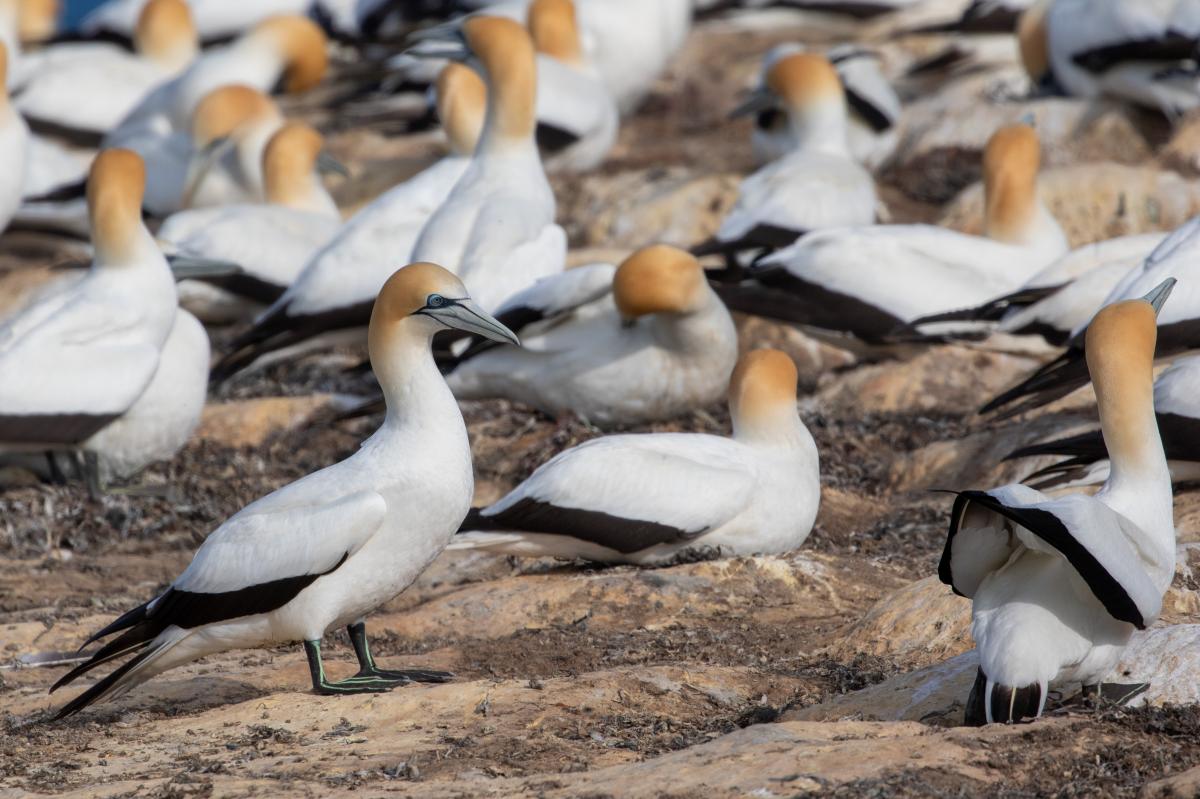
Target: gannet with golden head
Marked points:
653	343
326	550
81	91
817	185
14	149
271	241
80	358
577	118
859	284
649	498
496	228
337	285
1059	585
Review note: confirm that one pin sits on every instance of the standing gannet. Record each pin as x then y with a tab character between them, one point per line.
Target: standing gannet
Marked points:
82	91
873	105
816	185
868	281
657	343
14	149
576	117
1177	256
496	228
1059	585
79	358
1134	50
271	242
1177	411
328	549
336	287
648	498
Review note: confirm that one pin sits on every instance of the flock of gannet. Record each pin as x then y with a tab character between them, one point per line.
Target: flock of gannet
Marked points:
457	282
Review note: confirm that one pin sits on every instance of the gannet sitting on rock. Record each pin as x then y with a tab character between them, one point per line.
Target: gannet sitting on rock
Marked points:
326	550
1059	585
648	498
816	185
647	342
76	364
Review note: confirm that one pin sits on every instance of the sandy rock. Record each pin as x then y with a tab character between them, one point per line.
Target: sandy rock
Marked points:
1187	516
248	422
1169	659
813	358
1177	786
946	379
1182	152
1098	201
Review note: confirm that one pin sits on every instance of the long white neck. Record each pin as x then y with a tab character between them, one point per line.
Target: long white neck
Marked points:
416	393
820	127
708	329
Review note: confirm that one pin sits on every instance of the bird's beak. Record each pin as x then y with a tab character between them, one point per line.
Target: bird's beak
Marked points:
201	163
440	41
465	315
327	164
758	100
1158	295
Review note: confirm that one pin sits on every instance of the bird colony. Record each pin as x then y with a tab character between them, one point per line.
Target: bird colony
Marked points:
600	397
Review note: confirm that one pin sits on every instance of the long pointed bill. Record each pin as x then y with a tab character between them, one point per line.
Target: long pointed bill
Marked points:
329	165
439	41
1158	295
465	315
188	267
758	100
201	163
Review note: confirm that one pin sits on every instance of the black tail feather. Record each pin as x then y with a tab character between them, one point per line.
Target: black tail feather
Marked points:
1089	445
99	689
1008	705
1056	379
476	522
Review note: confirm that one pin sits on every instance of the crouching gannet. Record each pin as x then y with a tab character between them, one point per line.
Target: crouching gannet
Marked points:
1059	585
647	498
76	365
647	342
331	547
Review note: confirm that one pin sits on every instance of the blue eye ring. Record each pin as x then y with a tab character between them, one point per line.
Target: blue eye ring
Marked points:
435	301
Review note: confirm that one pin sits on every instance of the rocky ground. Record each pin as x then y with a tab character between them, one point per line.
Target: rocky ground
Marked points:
837	670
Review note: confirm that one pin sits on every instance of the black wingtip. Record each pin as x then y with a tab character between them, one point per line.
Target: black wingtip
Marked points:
99	689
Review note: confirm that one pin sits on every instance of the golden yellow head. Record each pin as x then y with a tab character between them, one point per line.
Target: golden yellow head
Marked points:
803	79
1033	42
114	193
461	105
165	32
763	382
289	162
224	110
505	50
303	46
37	20
552	25
1010	169
658	279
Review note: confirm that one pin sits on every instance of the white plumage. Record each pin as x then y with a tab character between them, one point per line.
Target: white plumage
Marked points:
14	150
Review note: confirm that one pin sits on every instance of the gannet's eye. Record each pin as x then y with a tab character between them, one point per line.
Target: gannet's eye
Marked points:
435	301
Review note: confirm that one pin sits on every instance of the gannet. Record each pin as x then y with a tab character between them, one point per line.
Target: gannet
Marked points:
646	342
336	287
1177	411
816	185
10	12
78	358
1059	585
14	149
1176	256
576	117
648	498
868	281
1137	51
271	242
80	91
328	549
216	20
1054	302
872	103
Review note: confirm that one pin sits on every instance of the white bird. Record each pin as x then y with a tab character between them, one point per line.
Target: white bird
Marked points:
1177	411
867	282
1177	256
577	119
645	343
649	498
1054	302
215	19
1139	51
80	91
496	228
874	108
816	185
328	549
271	242
14	149
78	358
337	285
1059	585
